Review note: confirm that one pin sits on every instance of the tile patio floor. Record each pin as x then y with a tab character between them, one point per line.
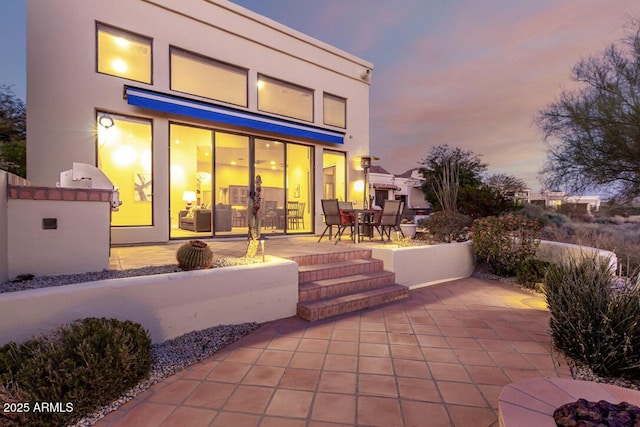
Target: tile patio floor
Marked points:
439	358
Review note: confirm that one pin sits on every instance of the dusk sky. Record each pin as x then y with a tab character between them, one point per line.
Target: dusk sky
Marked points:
471	74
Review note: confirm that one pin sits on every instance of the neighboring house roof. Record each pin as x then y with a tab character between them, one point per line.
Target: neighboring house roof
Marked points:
407	174
378	169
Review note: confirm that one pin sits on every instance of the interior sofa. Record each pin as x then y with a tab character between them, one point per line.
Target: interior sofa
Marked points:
199	220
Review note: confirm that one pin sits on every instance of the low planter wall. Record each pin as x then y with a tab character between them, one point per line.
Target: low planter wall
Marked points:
560	253
167	305
418	266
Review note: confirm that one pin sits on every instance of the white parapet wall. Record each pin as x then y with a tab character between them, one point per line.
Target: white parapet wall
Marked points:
167	305
560	253
418	266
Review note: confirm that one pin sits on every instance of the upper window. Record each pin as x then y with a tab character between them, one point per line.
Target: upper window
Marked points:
197	75
335	111
124	54
285	99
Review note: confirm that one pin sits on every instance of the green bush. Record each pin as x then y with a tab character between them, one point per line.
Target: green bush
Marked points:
447	227
505	242
530	273
592	322
87	363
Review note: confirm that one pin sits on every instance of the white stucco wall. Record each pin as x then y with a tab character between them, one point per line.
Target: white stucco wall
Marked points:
4	268
79	244
561	253
64	91
419	266
167	305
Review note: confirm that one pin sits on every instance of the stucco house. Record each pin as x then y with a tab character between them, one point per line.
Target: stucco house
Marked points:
183	104
405	186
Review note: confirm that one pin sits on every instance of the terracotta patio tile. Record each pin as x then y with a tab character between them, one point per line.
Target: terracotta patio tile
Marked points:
379	411
307	360
274	358
482	333
200	371
474	357
448	371
540	361
424	319
283	343
229	372
345	335
432	341
375	365
468	416
510	359
343	347
402	339
377	385
340	362
337	408
190	417
249	399
210	395
321	332
313	345
487	375
227	419
290	403
529	347
264	375
282	422
400	328
337	382
490	344
455	331
434	354
418	389
244	355
373	337
411	368
145	414
174	393
406	352
463	343
368	326
300	379
516	374
491	393
427	330
461	393
370	349
418	413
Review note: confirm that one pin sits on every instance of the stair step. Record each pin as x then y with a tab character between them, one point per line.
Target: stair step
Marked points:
323	309
327	288
309	273
330	257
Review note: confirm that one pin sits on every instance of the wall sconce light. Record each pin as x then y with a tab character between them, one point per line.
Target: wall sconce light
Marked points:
189	197
106	121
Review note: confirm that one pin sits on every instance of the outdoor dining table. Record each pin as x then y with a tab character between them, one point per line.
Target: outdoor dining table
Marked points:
360	216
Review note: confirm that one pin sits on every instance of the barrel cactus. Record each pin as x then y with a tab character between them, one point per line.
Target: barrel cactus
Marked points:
194	254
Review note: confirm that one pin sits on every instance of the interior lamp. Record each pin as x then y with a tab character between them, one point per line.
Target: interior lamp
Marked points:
189	197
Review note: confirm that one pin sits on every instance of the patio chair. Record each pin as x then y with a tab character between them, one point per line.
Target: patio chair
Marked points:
388	218
334	216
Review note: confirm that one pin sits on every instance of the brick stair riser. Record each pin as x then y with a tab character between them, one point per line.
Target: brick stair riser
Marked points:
341	271
330	310
312	293
303	260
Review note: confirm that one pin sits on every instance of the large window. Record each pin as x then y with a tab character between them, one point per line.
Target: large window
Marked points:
124	155
334	175
123	54
335	111
285	99
197	75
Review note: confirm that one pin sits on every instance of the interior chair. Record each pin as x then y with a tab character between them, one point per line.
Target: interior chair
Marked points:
387	219
334	216
295	214
270	216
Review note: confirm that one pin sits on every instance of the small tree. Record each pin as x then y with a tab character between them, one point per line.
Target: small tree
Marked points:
593	132
13	133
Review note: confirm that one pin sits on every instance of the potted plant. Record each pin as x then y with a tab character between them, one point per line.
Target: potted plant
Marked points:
408	227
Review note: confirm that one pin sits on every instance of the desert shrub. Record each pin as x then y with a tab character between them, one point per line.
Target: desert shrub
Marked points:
530	273
505	242
484	200
88	363
593	323
447	226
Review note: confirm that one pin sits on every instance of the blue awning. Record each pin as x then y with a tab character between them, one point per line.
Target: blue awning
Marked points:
201	110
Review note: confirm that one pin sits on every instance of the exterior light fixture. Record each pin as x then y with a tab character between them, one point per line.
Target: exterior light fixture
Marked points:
189	197
262	240
106	121
365	164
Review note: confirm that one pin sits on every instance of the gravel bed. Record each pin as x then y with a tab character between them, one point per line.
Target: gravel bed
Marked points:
174	355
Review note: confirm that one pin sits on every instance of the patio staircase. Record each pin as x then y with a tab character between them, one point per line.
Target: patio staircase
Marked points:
336	283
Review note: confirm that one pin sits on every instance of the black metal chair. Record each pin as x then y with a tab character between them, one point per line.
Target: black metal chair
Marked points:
334	216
